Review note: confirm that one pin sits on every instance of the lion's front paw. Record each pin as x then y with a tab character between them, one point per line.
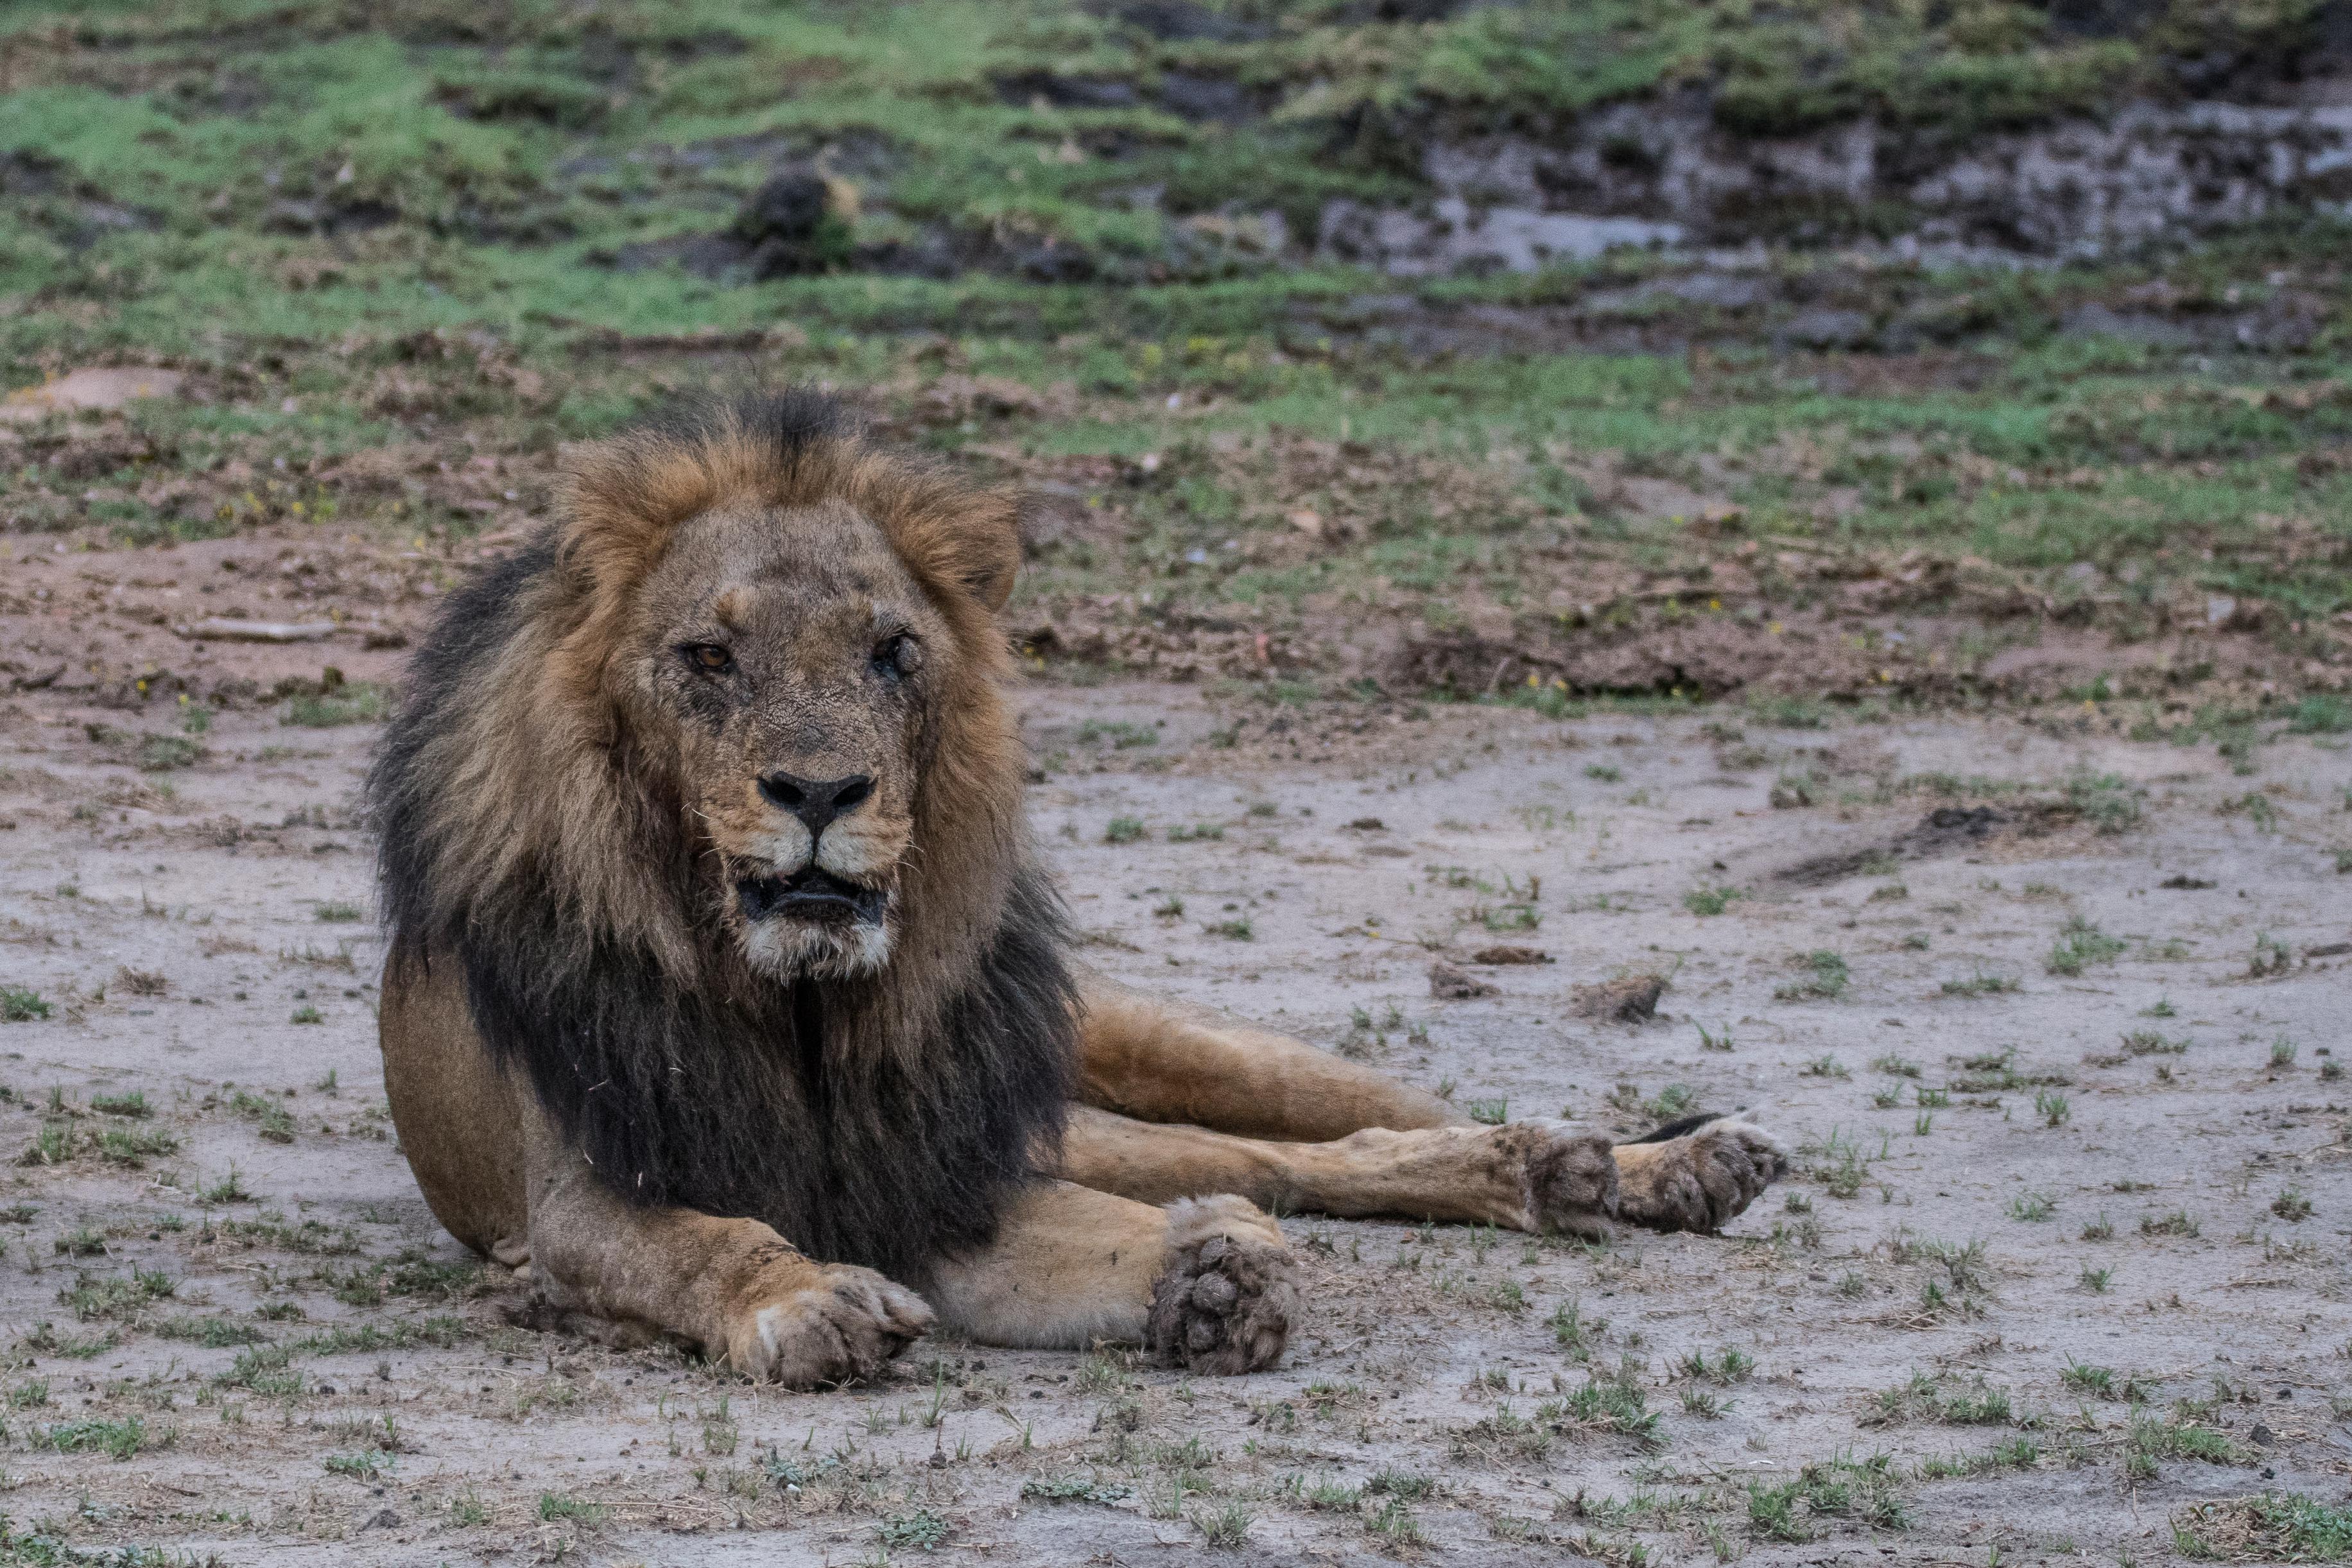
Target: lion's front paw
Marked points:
845	1326
1701	1180
1224	1301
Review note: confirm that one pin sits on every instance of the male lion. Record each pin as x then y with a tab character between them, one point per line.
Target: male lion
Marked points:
727	997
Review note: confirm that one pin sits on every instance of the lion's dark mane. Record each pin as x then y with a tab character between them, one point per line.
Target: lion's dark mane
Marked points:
737	1096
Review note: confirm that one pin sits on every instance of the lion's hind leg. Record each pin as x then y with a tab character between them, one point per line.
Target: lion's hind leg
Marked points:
1535	1175
1206	1284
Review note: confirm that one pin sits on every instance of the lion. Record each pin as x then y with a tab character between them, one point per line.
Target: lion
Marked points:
728	1001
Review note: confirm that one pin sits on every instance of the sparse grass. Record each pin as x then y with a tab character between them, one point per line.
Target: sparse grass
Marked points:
2080	945
1706	901
1981	983
1926	1398
367	1465
563	1508
269	1113
919	1528
1730	1365
1575	1335
2178	1435
2148	1042
2019	1453
2098	1382
1843	1487
2105	801
1124	831
2032	1207
1824	978
22	1004
118	1439
352	702
1224	1527
2271	1527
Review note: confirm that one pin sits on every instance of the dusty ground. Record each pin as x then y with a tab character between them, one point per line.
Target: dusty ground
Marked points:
2067	1250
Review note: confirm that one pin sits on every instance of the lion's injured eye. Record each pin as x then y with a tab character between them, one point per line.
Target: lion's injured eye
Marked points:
898	656
709	657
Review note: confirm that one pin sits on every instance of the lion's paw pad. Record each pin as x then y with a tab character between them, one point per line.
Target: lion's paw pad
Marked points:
1223	1305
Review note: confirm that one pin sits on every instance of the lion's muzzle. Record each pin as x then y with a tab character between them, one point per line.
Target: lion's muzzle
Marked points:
812	894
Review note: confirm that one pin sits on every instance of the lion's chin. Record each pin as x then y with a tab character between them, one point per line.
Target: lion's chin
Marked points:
785	949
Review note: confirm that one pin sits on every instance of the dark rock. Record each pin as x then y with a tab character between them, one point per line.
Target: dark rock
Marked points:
1190	97
28	173
1054	262
2094	320
788	226
1023	88
328	217
788	207
1826	329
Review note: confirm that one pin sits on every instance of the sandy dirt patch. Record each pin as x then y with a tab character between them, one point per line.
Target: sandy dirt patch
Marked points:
2064	1254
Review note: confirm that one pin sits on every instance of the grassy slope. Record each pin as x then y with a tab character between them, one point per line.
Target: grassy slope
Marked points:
520	143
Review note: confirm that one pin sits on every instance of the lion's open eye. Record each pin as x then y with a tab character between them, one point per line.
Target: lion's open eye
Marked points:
709	657
898	656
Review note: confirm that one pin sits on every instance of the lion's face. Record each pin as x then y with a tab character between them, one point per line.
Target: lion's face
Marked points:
798	663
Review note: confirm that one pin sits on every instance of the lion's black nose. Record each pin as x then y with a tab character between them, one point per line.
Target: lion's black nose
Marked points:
815	803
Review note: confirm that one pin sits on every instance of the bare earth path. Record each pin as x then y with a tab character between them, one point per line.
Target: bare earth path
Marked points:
2065	1255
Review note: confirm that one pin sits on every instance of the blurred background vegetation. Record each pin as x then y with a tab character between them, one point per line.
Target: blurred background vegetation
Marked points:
1190	269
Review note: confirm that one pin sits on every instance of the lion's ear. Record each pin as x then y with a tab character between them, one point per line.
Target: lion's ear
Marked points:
984	549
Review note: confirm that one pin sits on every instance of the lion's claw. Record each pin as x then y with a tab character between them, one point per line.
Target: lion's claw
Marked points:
846	1325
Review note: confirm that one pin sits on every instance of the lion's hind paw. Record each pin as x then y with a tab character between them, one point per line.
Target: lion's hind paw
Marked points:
1700	1180
1224	1303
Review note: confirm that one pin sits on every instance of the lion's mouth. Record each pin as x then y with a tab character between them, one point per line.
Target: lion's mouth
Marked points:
810	893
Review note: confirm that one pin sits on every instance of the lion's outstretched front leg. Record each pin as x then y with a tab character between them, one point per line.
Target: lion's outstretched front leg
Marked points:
733	1287
1204	1283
